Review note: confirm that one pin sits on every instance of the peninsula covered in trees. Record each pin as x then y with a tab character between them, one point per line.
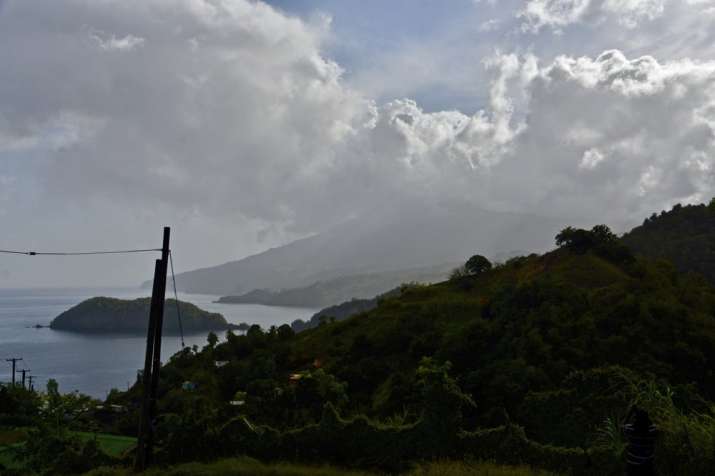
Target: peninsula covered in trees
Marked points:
111	315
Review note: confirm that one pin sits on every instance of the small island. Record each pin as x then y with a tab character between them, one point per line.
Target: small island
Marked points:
118	316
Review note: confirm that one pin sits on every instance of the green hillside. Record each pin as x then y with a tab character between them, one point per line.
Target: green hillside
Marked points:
685	235
542	350
111	315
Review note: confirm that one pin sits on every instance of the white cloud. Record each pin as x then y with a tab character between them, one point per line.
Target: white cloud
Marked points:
489	25
553	13
558	14
640	131
112	43
591	159
631	12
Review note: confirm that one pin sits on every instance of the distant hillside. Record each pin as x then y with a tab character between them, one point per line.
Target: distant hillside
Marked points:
423	235
110	315
342	311
334	291
685	235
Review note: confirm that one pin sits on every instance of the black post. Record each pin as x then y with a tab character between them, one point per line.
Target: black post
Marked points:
13	360
31	378
156	367
23	372
153	355
144	418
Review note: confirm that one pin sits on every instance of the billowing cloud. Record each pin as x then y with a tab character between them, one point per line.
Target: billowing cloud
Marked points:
617	136
228	115
596	139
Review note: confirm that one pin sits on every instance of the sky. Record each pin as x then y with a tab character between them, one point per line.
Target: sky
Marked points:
246	124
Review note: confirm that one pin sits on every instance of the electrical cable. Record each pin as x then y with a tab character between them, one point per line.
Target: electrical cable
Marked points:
77	253
176	298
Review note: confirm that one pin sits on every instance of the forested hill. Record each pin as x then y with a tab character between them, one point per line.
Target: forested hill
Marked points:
111	315
684	235
555	342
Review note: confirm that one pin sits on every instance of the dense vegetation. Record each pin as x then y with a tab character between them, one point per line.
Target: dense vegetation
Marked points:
103	314
250	467
50	433
684	235
533	361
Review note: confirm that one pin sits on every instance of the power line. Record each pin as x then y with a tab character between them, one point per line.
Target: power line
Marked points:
176	298
77	253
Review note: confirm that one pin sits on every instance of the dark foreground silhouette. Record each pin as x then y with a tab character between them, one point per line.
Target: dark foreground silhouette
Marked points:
640	452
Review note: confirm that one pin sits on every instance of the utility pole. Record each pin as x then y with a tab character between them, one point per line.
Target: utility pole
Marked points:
23	372
152	359
31	378
14	360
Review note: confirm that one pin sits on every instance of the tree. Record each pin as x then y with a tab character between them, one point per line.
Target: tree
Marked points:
581	241
575	239
285	332
212	339
458	273
254	332
443	400
477	264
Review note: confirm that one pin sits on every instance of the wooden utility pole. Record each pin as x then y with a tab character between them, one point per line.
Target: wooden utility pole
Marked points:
31	378
14	360
23	372
152	359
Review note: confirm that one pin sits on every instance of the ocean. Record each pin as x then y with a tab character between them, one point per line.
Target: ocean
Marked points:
94	364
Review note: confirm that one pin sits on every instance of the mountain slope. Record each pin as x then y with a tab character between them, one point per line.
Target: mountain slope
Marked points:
529	337
337	290
389	240
537	360
685	235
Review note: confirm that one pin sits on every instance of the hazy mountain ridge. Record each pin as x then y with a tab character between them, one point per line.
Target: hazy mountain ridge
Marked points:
397	239
334	291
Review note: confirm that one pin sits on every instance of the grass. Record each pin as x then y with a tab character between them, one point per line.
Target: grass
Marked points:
460	468
9	438
251	467
113	445
234	467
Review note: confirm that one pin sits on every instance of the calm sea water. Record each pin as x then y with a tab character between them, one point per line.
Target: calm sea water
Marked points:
95	364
